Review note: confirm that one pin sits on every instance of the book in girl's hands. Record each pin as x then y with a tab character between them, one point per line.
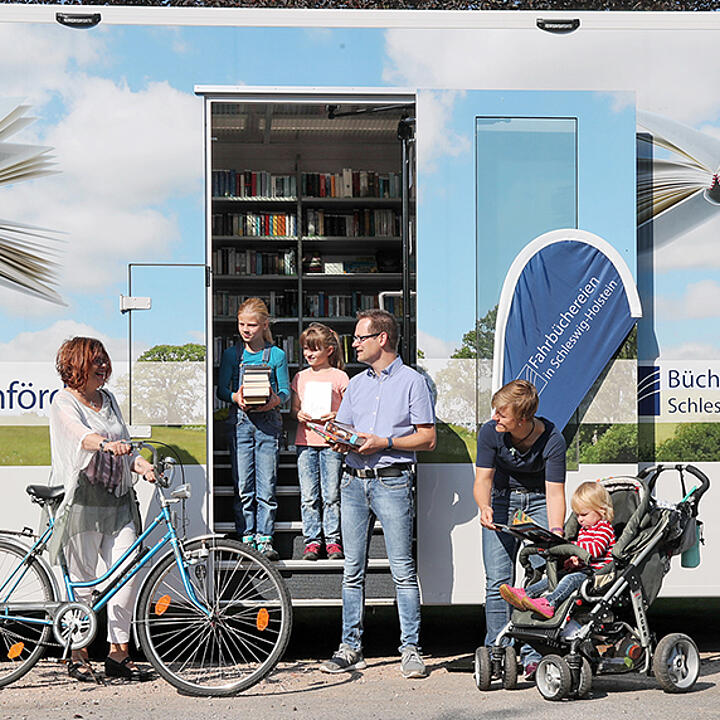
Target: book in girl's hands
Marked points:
337	433
256	384
317	399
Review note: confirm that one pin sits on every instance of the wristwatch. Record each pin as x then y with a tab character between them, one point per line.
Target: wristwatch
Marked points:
103	444
390	443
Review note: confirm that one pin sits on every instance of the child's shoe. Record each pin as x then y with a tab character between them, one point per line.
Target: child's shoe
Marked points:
513	595
249	540
312	551
335	551
539	605
265	547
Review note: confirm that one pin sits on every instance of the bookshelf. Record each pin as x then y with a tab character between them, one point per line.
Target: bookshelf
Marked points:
307	213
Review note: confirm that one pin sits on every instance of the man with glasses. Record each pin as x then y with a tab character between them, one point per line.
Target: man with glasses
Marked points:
391	408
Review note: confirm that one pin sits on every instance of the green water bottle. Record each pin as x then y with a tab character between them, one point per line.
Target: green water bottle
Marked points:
691	557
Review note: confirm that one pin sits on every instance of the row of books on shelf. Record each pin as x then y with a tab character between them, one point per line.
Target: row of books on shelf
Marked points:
287	343
384	261
280	304
253	183
350	183
396	306
315	305
382	222
253	224
236	261
325	305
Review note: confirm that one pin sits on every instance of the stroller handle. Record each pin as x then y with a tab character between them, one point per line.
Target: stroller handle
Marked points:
655	472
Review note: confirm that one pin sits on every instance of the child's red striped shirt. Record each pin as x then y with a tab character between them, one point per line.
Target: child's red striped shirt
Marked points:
598	540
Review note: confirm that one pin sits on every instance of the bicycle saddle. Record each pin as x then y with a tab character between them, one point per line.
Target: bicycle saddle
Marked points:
46	492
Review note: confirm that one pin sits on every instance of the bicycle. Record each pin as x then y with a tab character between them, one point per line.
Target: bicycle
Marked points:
212	616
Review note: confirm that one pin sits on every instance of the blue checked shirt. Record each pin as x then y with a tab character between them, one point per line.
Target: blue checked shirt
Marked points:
390	404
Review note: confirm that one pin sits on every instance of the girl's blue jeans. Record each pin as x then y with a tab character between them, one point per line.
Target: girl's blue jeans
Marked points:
319	470
499	552
254	447
567	585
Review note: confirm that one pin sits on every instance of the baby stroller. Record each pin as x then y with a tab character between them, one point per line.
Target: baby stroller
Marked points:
602	627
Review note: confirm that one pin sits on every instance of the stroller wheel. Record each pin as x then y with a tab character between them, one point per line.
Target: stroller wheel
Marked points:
584	682
553	677
482	670
676	663
509	668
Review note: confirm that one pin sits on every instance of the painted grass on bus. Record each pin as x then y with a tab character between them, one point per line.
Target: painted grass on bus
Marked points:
30	445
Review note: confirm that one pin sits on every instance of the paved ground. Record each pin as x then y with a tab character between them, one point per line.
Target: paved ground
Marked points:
298	690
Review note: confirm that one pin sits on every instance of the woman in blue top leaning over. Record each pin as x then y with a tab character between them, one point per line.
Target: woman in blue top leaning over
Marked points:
254	432
520	466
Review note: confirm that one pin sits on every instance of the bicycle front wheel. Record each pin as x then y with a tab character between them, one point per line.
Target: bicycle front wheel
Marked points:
237	637
24	588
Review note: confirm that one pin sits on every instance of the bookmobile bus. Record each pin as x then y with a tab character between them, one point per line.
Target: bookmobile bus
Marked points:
158	165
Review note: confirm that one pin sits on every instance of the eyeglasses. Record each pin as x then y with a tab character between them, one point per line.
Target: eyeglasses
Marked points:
100	360
363	338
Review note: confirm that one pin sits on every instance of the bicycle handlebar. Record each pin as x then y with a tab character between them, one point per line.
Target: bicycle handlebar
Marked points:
160	478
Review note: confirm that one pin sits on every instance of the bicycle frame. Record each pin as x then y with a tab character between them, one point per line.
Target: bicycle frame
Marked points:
121	578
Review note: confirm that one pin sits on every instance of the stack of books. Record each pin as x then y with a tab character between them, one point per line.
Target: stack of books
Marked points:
256	384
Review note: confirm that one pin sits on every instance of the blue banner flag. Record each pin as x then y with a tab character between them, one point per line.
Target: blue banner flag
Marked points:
568	302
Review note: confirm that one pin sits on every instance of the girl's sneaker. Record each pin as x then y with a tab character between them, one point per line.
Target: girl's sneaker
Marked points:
513	595
265	547
312	551
249	540
539	605
334	551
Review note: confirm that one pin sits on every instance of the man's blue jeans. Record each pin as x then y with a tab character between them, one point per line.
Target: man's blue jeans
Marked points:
500	552
319	470
390	499
254	454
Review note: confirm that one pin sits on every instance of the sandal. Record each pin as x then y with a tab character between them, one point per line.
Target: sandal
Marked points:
81	671
121	669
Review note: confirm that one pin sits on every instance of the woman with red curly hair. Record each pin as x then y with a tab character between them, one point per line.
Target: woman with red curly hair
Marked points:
98	517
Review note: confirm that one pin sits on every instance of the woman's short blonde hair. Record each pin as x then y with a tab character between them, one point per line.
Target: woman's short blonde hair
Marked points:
520	395
593	496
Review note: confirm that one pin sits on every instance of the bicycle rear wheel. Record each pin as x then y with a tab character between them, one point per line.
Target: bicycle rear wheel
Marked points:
22	642
242	638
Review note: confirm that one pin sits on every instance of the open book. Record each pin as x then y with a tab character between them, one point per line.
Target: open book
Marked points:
524	527
26	252
678	177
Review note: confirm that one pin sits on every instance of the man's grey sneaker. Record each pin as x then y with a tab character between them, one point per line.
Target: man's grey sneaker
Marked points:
411	664
345	659
265	547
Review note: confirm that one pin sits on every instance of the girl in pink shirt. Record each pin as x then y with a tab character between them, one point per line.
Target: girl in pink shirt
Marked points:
316	395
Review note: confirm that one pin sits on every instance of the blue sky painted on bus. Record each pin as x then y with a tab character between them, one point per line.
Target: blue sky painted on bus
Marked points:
507	217
117	104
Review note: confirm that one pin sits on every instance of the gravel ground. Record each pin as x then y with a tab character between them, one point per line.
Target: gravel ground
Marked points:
298	690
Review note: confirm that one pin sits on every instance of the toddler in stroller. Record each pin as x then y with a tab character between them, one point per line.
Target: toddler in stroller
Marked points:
601	626
593	510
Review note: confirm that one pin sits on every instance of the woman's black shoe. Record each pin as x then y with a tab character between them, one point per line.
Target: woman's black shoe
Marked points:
121	669
81	671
